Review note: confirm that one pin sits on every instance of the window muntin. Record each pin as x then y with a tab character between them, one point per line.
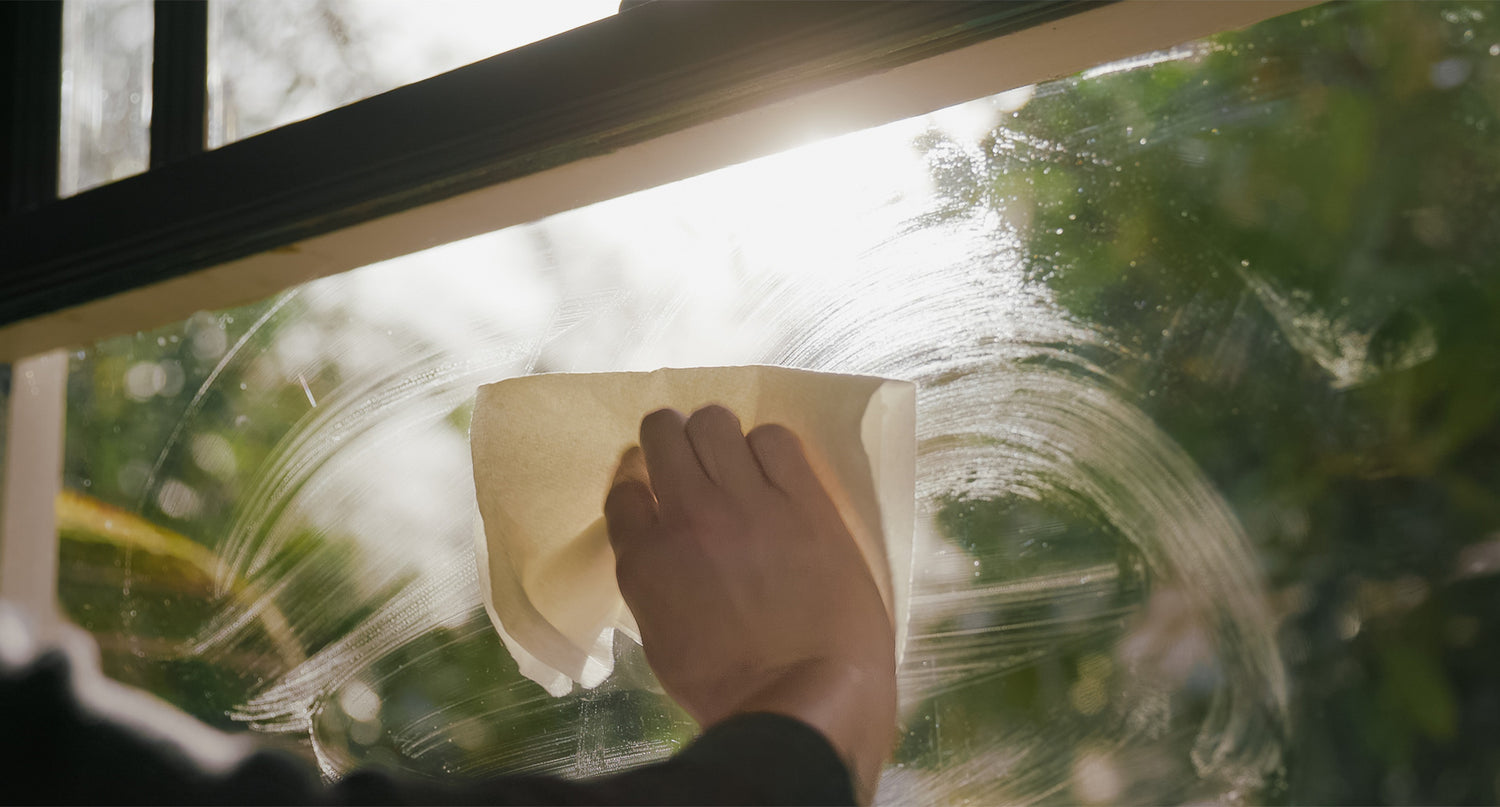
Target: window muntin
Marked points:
1206	423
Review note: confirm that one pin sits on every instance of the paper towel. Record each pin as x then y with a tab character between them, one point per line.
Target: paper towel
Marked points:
545	449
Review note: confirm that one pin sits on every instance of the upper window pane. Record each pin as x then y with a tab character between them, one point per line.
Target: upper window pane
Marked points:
106	92
1208	436
272	62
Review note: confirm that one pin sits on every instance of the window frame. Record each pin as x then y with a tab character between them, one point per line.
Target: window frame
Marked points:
659	92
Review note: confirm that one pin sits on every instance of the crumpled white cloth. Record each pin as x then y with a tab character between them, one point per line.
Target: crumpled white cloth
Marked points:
545	449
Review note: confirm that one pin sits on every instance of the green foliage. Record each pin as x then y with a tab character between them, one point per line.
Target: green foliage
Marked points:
1290	235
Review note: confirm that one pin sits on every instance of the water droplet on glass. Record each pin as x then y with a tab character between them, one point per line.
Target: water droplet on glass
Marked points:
1449	73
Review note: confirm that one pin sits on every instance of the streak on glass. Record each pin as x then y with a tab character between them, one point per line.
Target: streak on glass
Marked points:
1208	434
272	62
106	92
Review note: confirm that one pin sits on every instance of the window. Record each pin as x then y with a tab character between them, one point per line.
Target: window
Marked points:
274	63
1207	434
106	89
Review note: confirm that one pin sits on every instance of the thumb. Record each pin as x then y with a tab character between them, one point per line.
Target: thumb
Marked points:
630	508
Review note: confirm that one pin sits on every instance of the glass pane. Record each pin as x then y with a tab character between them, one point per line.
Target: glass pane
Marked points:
106	92
1208	436
272	62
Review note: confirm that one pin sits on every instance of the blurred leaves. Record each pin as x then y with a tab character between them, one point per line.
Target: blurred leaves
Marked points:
1290	234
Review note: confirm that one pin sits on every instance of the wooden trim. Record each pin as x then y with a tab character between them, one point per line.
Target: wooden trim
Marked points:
32	481
714	123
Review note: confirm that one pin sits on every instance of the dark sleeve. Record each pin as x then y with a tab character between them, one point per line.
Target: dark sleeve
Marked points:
53	751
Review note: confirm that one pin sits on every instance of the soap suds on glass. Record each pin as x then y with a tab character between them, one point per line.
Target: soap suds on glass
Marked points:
348	556
1088	616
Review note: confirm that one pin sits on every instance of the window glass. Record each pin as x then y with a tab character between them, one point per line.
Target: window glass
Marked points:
106	92
1208	433
272	62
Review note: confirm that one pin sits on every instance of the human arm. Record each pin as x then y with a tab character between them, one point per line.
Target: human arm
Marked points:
750	593
73	736
804	691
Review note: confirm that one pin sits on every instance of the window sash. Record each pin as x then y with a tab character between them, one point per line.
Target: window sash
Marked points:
658	93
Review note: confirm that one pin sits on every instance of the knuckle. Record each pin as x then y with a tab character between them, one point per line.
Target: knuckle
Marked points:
660	419
713	413
711	515
774	437
712	421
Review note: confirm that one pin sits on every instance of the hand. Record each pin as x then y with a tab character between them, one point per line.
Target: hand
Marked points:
750	594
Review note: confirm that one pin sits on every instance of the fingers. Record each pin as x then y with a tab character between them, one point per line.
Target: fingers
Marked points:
721	449
632	468
783	462
685	456
629	509
676	477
